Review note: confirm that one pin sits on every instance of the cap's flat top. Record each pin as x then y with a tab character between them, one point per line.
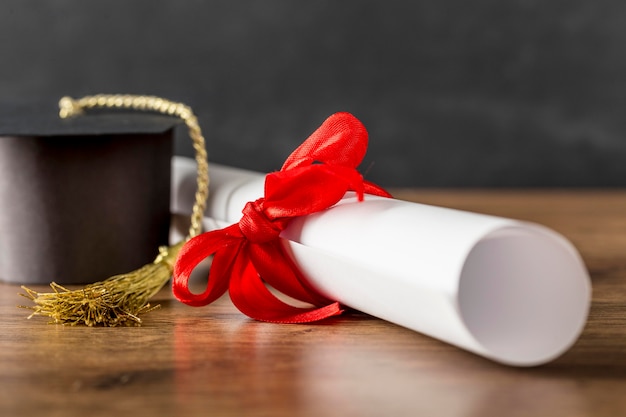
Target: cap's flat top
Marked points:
42	119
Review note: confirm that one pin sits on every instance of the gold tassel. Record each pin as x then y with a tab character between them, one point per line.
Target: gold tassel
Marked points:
121	299
114	301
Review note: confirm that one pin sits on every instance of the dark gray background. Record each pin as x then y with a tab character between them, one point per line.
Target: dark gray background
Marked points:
453	92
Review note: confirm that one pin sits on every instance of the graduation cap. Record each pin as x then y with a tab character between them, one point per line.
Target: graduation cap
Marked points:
86	197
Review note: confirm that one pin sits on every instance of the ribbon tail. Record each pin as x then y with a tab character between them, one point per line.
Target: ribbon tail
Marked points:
373	189
250	295
277	270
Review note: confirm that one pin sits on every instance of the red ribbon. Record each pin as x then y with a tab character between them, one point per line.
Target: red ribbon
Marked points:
249	254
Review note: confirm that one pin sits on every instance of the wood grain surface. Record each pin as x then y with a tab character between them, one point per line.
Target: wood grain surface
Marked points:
214	361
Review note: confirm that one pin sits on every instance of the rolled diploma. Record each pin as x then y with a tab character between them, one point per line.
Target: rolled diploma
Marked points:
514	292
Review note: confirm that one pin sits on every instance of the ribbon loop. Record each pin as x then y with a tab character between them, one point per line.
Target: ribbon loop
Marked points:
248	255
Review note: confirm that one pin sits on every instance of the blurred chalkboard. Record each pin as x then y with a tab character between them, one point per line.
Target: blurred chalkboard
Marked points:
453	92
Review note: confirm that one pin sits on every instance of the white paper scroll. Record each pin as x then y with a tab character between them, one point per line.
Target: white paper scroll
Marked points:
514	292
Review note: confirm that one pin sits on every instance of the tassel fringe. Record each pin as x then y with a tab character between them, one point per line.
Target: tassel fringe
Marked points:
118	300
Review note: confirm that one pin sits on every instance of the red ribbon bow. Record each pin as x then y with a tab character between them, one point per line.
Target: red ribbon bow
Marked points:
249	253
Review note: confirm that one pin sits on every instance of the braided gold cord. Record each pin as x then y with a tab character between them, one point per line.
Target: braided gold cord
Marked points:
69	107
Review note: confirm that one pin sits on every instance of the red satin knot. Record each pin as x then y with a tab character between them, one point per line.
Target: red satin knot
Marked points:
249	256
256	226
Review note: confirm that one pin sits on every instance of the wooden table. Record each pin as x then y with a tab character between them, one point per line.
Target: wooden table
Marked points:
213	361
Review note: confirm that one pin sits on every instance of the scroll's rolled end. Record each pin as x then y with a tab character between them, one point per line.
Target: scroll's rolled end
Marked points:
524	295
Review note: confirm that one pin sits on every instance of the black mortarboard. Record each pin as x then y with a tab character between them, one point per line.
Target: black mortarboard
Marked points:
81	198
